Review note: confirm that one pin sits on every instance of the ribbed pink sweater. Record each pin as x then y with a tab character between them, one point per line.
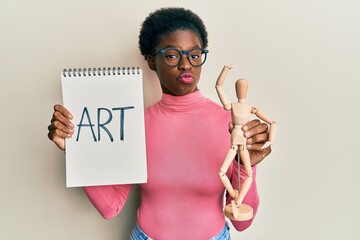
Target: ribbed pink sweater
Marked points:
187	139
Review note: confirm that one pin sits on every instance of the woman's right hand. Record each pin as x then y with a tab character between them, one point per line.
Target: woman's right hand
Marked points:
61	126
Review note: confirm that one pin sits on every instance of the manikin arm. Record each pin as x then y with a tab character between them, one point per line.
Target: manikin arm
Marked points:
219	90
272	128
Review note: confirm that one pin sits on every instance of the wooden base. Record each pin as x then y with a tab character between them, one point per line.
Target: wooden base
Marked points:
245	212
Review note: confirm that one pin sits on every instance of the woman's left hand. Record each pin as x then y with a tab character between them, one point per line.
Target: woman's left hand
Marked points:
257	135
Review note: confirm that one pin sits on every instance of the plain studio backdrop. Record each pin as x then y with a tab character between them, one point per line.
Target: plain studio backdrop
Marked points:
301	59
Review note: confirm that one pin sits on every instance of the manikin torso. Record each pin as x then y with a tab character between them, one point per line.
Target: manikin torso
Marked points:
240	113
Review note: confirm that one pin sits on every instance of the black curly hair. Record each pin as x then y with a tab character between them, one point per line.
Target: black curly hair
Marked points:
167	20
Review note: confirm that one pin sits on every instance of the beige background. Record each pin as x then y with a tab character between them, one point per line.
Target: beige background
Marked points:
302	62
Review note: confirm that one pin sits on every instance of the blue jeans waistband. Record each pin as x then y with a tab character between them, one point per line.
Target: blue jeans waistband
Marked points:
138	234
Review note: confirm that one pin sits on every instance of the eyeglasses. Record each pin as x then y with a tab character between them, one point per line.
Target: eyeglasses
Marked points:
173	56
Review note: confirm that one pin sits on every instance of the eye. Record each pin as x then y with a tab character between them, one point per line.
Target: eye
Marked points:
171	54
195	54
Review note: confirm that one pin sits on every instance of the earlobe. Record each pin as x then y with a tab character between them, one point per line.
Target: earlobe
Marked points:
151	62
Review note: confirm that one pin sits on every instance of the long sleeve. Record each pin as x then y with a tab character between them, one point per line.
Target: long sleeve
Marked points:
251	198
108	200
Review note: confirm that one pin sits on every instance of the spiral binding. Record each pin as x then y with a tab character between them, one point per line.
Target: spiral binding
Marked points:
83	72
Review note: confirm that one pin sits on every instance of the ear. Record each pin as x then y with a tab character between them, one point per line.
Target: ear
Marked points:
151	62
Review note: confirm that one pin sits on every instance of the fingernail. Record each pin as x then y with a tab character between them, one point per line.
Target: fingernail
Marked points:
249	140
247	134
245	128
249	146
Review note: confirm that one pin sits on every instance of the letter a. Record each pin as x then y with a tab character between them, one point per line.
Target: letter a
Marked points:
81	124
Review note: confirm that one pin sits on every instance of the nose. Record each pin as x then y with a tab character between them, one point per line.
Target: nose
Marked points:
184	64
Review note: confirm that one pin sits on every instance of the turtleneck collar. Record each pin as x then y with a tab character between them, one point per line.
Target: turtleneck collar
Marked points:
184	103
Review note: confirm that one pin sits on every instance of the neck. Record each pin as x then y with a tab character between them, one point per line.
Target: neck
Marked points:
184	103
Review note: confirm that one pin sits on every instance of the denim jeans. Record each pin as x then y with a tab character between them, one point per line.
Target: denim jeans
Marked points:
138	234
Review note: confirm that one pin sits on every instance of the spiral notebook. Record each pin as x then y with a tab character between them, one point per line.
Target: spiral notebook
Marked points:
108	144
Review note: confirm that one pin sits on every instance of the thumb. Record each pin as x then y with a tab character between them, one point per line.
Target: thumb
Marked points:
60	143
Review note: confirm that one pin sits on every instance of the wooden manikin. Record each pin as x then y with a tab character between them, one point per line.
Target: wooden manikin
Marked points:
240	112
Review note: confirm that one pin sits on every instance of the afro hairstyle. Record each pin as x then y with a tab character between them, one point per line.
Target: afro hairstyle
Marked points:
165	21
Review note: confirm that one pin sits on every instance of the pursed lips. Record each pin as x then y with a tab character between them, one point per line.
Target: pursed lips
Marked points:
186	78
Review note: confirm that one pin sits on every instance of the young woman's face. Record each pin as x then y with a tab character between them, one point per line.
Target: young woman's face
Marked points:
182	79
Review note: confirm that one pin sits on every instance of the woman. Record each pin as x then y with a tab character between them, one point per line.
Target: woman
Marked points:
186	140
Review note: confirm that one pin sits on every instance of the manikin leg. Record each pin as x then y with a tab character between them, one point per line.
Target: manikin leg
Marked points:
225	166
237	210
245	157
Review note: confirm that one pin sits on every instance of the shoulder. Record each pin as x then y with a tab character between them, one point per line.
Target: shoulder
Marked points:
214	104
216	111
151	108
217	107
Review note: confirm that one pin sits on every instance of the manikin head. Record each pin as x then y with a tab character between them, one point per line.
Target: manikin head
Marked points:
241	87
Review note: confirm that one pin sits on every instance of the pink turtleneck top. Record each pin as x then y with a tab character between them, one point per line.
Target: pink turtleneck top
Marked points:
187	139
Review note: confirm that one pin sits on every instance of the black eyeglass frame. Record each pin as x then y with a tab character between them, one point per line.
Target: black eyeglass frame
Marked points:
182	52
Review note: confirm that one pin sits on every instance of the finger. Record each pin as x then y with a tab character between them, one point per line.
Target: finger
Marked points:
251	124
258	129
60	108
58	116
56	134
258	138
256	146
231	126
59	141
57	125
